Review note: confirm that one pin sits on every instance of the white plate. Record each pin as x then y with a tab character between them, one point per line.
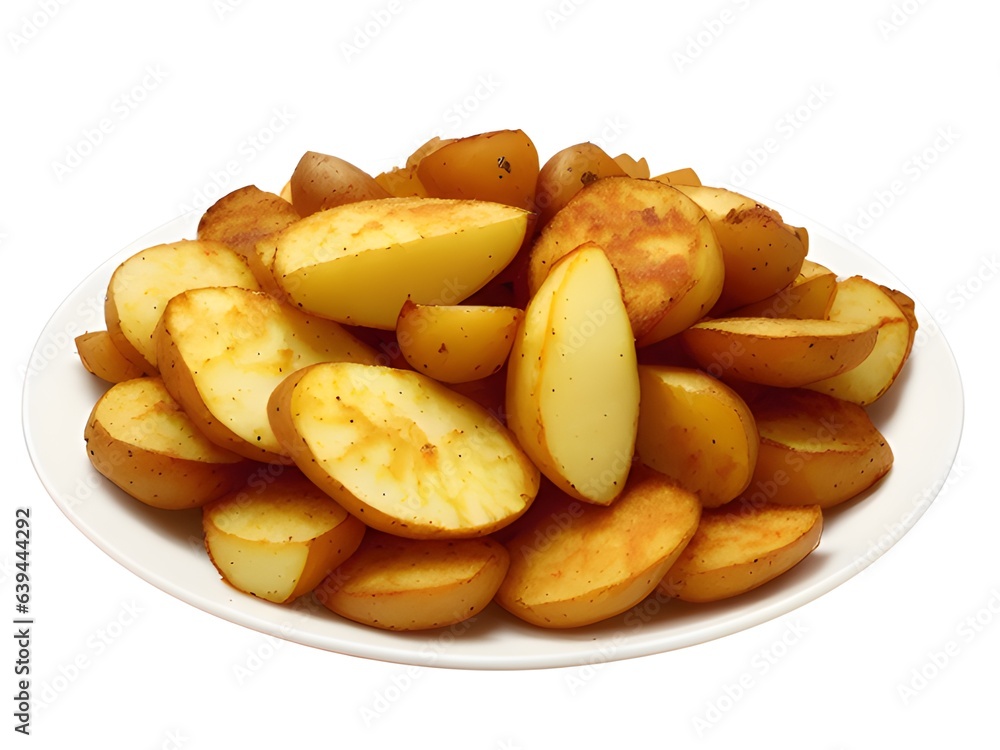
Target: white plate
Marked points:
921	417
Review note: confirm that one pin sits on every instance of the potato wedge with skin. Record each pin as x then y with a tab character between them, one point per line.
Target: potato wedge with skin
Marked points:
572	382
567	172
578	563
739	547
809	296
456	343
814	449
322	181
225	349
415	584
430	250
499	166
778	351
245	216
280	540
99	355
762	254
697	431
859	300
633	167
138	437
401	451
659	241
684	176
143	284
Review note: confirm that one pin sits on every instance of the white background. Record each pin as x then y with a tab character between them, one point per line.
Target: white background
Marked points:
856	96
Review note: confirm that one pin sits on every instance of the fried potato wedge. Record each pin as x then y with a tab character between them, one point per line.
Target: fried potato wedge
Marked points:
143	284
567	172
739	547
659	241
430	250
240	219
322	181
683	176
633	167
99	355
572	383
415	584
225	349
809	296
696	430
779	351
279	540
456	343
814	449
401	451
574	563
138	437
859	300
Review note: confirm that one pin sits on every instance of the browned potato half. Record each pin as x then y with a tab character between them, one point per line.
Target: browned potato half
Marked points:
415	584
321	181
500	166
280	540
739	547
814	449
684	176
658	240
573	563
456	343
809	296
143	284
139	438
401	451
779	351
100	356
242	218
632	167
762	254
859	300
567	172
225	349
696	430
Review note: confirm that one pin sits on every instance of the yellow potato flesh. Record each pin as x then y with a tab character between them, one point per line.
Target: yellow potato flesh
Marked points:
142	285
862	301
415	584
456	343
572	379
575	563
809	296
228	349
99	355
403	452
281	540
433	251
696	430
739	547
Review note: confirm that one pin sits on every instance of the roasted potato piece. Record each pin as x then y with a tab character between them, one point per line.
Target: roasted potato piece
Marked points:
138	437
430	250
240	219
859	300
572	383
566	173
415	584
739	547
632	167
225	349
281	540
99	355
401	451
456	343
596	562
814	449
779	351
684	176
321	181
143	284
809	296
697	431
659	242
